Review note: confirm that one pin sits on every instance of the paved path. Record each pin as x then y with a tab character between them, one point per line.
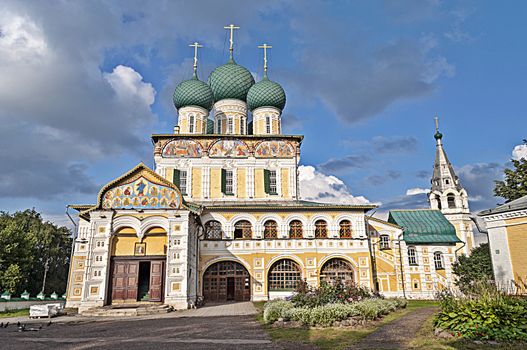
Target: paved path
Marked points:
396	334
215	327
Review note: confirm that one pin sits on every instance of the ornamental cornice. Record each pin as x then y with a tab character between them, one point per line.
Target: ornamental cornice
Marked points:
505	216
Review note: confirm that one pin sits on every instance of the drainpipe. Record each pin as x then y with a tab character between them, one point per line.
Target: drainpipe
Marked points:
73	238
372	254
401	263
457	250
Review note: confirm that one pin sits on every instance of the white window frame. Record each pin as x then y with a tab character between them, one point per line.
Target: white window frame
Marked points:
412	258
183	182
191	124
268	124
439	262
230	125
273	187
384	242
218	126
229	181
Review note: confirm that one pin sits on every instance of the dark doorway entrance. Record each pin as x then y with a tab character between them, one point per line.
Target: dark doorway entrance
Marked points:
227	281
144	281
134	279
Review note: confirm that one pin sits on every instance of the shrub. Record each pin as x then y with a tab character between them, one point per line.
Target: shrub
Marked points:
489	315
325	315
328	293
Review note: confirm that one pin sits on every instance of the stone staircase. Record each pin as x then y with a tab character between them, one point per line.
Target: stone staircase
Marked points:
128	310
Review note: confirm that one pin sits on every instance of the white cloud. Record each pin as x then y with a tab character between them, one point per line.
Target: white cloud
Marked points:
415	191
128	84
20	38
519	152
316	186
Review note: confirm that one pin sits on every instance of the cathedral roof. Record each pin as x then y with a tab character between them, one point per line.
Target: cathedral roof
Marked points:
266	93
423	226
517	204
283	205
230	81
444	176
193	92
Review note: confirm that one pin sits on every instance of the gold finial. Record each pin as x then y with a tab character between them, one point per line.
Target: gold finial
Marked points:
196	45
231	27
437	123
265	47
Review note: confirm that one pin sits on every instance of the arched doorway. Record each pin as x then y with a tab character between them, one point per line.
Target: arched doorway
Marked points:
336	269
227	281
284	276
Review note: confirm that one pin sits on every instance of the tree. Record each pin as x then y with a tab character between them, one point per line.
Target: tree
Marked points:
474	268
515	184
39	249
10	278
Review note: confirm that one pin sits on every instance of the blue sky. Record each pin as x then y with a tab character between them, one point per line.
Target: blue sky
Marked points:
84	84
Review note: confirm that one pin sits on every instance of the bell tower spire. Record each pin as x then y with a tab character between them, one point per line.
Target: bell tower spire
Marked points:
448	195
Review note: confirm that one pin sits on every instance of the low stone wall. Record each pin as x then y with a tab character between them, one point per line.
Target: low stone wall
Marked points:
25	304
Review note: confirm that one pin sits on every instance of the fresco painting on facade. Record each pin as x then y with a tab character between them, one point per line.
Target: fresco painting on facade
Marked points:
229	149
182	149
141	193
274	149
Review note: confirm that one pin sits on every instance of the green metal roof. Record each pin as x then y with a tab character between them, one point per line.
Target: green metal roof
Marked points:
230	81
424	226
517	204
193	92
266	93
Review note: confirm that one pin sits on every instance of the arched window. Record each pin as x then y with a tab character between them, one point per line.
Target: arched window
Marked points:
438	199
243	230
295	229
284	275
384	242
321	229
345	229
191	123
213	230
451	200
270	229
412	256
438	261
336	269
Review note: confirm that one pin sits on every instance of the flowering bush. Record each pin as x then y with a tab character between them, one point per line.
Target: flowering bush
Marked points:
486	315
327	293
326	315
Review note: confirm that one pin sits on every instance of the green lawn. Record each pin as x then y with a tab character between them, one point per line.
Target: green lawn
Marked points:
14	313
334	338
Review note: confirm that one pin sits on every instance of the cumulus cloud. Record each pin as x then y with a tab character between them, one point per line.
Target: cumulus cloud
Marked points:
129	85
316	186
478	179
416	191
519	152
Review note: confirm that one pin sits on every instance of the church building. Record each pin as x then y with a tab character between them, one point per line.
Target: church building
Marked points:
220	218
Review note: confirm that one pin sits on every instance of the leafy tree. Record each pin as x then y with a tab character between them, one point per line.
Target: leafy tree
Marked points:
474	268
39	249
515	184
10	278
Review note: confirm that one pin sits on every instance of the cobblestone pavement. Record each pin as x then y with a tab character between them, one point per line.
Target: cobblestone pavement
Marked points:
215	327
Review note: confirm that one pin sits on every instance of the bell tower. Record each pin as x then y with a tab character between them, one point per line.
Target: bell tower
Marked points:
449	196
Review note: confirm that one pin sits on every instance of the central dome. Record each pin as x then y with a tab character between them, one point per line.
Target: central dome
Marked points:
230	81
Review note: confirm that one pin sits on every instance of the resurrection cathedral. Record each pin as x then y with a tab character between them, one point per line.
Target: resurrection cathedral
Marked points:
220	218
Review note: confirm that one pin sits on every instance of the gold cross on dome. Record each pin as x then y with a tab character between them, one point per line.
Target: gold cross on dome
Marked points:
196	45
437	123
231	27
265	47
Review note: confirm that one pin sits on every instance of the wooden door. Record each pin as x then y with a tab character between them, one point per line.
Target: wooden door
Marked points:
156	280
124	281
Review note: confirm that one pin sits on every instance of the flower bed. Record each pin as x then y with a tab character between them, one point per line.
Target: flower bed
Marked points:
486	315
350	314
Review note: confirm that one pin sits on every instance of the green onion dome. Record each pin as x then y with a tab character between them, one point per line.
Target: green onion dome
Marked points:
266	93
230	81
438	135
193	92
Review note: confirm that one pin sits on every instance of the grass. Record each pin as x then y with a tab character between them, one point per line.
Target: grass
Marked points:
424	339
334	338
14	313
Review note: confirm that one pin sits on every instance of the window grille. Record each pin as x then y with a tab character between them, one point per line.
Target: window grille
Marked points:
183	181
385	242
272	182
230	125
336	269
243	230
213	230
191	124
270	229
267	124
321	229
295	229
284	275
228	182
345	229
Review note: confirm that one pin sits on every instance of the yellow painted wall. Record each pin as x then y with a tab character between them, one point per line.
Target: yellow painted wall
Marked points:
242	183
517	237
274	126
259	190
169	174
215	183
155	245
124	245
285	183
196	182
183	125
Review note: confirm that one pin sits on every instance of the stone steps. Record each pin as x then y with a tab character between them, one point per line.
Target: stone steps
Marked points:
123	311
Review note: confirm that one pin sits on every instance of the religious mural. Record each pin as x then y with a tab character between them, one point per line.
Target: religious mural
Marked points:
274	149
182	148
141	193
229	148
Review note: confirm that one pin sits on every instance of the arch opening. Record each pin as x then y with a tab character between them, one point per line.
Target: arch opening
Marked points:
226	281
